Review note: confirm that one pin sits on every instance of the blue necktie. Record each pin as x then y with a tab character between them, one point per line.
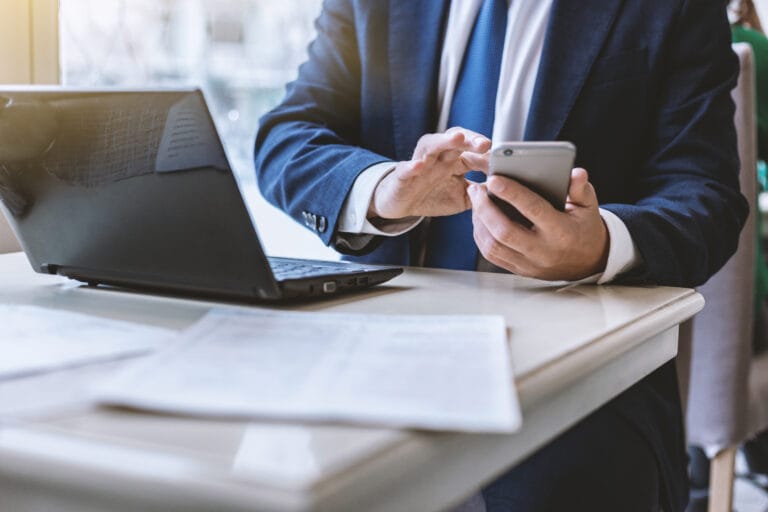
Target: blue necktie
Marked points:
450	243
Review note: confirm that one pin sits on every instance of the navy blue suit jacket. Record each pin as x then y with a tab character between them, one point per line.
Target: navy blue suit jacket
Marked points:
642	87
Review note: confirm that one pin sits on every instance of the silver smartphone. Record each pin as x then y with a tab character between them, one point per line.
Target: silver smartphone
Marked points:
543	167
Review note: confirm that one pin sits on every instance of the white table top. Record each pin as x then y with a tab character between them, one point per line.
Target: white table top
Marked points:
558	335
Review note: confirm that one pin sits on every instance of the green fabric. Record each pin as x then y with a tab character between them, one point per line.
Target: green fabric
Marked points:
761	274
759	45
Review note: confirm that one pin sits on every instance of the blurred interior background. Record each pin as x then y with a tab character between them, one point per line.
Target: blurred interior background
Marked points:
241	52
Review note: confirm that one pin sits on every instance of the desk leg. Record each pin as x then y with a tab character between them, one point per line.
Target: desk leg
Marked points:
683	362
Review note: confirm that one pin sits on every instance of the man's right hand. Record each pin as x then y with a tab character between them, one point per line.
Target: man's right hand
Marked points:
432	183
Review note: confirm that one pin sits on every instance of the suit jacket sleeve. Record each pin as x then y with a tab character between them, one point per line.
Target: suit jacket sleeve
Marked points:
687	212
307	154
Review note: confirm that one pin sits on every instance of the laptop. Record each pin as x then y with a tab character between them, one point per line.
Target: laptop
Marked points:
134	189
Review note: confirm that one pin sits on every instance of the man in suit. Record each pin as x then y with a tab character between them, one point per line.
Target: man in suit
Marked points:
399	100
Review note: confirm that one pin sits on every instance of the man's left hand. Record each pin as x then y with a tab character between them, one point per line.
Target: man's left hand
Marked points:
569	245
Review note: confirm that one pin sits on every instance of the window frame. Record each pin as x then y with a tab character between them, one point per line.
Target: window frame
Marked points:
29	42
29	54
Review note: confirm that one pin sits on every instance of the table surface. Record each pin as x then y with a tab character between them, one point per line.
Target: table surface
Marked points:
559	335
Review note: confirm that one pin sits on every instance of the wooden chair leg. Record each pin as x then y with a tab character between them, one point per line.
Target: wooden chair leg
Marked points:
721	481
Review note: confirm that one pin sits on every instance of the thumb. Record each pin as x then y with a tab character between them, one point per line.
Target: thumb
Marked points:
475	161
580	191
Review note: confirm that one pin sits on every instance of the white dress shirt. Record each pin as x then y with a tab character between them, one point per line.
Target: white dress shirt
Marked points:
524	41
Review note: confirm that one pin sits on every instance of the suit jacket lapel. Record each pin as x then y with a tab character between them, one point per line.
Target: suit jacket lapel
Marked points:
576	33
416	29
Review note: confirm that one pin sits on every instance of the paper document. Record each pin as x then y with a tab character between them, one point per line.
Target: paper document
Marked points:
34	339
431	372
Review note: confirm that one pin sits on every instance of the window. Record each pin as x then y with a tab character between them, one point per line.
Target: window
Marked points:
29	42
241	52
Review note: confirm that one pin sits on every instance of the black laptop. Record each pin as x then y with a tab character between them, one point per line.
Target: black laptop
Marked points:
134	189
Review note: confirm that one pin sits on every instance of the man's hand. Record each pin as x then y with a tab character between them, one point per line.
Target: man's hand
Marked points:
432	183
568	245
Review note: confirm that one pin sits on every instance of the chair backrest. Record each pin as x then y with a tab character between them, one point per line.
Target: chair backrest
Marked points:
8	242
722	332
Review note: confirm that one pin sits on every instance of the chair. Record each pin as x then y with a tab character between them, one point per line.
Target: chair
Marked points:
8	242
727	393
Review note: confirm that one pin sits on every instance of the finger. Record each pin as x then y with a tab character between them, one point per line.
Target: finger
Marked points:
430	146
475	161
429	142
494	252
480	141
409	169
504	230
450	155
581	192
530	204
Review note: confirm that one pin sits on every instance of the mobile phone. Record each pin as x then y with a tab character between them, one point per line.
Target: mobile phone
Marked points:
543	167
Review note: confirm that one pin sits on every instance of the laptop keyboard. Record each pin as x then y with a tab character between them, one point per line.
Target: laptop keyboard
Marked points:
291	269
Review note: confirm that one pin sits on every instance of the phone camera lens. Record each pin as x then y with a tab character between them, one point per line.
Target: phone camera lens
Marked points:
508	152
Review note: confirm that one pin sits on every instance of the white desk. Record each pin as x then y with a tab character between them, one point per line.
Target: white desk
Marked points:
573	349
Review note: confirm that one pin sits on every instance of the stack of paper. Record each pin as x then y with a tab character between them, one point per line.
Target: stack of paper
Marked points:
34	340
432	372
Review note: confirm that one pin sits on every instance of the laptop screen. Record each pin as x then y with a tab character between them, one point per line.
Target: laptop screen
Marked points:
126	186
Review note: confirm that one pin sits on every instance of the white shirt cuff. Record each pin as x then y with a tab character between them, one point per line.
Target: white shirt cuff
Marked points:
622	253
353	218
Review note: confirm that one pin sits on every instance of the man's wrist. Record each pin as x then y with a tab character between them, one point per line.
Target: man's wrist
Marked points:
605	250
372	213
355	219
